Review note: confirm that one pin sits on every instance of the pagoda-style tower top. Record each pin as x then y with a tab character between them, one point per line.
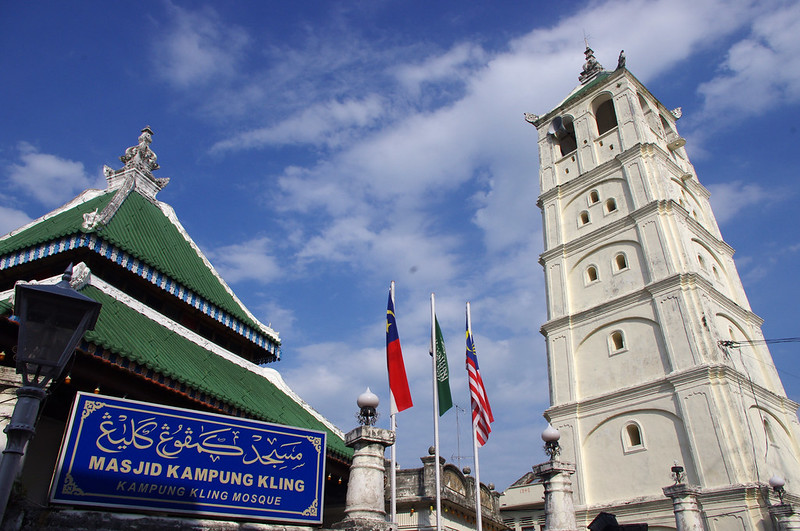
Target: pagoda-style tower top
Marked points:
591	67
137	174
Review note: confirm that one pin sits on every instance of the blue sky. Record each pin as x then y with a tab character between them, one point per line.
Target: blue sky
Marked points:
319	150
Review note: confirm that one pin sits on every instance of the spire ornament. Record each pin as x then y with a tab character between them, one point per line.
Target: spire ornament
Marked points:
590	68
136	175
141	156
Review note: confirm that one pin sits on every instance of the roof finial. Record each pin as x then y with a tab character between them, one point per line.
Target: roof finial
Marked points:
621	60
141	155
591	67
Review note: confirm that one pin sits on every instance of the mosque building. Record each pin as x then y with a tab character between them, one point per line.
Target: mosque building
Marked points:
170	331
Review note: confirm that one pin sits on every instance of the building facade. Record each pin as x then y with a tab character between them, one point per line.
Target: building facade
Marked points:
416	498
654	355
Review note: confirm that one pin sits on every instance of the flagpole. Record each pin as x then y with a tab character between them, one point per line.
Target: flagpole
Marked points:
478	518
436	418
393	473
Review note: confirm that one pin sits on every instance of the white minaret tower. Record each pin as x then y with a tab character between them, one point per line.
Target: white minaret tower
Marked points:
654	355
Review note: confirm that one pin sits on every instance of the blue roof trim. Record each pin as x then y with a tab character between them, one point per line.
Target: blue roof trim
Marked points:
134	265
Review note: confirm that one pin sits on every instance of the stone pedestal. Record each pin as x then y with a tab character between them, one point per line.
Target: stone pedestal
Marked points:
785	517
558	506
365	505
688	516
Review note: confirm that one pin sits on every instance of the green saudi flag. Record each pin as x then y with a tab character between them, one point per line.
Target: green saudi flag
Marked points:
442	373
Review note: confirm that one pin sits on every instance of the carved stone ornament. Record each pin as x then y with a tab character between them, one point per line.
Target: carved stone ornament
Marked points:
140	155
590	68
621	60
531	118
677	112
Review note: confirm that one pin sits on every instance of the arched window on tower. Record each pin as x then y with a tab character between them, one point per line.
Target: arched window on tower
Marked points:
669	132
591	274
620	262
583	218
594	197
611	205
604	113
632	437
567	142
616	342
769	433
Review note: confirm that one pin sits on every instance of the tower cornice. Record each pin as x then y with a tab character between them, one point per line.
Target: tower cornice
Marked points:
668	385
682	281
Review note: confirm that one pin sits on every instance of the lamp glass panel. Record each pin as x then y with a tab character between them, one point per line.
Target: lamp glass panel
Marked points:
50	325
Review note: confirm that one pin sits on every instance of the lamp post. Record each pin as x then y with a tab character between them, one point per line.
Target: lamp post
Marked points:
550	436
777	483
52	320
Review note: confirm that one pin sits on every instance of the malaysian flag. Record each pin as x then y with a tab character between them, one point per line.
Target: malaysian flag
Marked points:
481	411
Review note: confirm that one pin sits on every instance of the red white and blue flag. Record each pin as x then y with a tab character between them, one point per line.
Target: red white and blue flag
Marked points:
398	382
481	411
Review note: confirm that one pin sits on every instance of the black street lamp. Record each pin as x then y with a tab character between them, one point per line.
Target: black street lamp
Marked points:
52	320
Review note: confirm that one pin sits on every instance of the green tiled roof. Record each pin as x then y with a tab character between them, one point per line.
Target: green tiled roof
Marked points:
126	332
142	230
51	228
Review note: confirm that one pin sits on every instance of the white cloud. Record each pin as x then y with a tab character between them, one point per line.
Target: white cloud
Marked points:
729	199
331	124
49	179
198	49
11	219
760	72
250	260
453	66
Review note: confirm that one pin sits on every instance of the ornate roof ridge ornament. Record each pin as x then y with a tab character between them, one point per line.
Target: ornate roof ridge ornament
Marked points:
590	68
140	155
140	163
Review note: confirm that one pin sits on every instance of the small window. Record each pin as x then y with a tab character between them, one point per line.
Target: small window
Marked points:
701	261
611	205
716	273
620	262
617	341
632	437
583	218
594	197
591	274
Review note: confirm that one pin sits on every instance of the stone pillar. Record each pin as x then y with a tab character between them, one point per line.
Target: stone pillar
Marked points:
785	517
688	516
365	504
558	507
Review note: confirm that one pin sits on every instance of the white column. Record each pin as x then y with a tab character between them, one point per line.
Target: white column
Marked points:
558	506
688	516
365	506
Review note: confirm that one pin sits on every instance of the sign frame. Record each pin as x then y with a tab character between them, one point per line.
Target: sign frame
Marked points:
127	454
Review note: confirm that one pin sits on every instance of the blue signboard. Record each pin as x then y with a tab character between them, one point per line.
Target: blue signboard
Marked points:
126	454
